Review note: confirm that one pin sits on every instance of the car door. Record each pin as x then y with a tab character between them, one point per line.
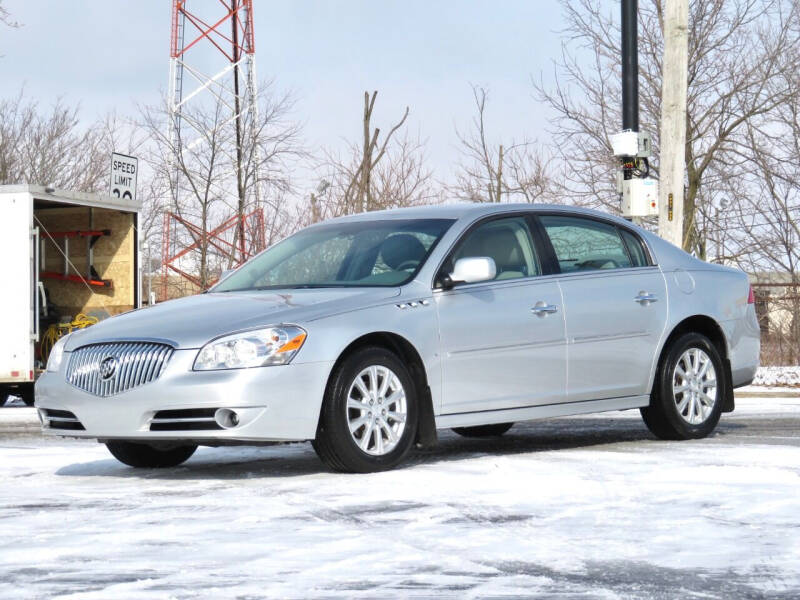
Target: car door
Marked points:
502	341
614	304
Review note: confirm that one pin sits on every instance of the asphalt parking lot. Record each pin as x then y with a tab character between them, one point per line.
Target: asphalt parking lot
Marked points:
589	507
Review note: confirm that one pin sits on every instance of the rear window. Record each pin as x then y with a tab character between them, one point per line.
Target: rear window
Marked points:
585	244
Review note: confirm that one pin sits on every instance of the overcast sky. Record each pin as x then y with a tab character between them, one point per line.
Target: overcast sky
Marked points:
421	53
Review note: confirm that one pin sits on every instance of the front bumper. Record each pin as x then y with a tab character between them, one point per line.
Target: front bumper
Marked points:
282	403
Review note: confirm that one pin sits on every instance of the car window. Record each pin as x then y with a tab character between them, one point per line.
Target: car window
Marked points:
508	242
318	262
585	244
635	249
362	253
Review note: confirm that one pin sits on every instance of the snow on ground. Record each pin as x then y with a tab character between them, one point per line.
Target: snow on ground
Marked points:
778	376
588	507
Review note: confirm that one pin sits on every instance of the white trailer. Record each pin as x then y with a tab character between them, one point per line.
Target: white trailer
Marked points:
62	254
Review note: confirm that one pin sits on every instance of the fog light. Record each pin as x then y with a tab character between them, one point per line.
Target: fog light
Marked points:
226	418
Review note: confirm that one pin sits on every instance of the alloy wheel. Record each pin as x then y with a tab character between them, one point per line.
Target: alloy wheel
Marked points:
376	410
694	386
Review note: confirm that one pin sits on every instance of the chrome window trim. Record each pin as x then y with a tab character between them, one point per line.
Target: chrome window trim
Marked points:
607	272
548	278
504	283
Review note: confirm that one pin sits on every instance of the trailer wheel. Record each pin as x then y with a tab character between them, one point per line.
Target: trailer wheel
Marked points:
25	391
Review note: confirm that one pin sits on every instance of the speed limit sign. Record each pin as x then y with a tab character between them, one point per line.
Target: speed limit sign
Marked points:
124	170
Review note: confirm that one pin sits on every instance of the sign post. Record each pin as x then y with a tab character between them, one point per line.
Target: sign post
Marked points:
124	171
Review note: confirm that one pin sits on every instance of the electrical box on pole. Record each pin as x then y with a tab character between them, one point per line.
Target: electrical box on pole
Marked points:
640	197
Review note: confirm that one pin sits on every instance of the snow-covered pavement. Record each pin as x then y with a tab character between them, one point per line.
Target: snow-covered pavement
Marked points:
589	507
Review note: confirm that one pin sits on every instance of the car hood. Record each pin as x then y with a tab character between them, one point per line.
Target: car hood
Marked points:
193	321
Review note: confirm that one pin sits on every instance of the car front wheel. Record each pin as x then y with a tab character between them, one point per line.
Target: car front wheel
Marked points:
145	456
688	391
369	414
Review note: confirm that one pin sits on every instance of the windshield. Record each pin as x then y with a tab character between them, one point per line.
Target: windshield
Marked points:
357	254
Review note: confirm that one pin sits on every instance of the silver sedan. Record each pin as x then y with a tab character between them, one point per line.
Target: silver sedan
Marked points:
366	334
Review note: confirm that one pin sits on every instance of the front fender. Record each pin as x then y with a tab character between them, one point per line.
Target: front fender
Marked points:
329	337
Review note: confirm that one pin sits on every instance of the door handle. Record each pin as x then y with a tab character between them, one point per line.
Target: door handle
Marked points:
542	308
645	298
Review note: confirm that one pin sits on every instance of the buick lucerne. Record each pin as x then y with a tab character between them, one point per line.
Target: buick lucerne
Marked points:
365	334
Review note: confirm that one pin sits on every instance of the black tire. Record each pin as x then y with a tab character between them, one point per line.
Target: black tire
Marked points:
662	416
483	431
145	456
3	398
334	444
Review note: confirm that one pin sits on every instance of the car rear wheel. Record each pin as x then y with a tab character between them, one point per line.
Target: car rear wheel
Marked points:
369	414
481	431
145	456
688	391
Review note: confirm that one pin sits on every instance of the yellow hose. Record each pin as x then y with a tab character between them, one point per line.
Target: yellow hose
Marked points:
58	330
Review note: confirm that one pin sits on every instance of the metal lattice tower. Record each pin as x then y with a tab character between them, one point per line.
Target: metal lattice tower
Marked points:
212	60
223	36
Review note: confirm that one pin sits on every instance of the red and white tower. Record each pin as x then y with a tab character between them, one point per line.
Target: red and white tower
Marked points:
212	63
220	33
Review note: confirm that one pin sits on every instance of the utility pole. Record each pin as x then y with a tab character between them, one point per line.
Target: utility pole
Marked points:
673	120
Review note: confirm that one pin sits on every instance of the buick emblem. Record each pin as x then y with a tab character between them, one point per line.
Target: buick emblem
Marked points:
108	366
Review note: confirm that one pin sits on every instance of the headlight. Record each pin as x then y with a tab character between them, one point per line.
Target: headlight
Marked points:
257	348
56	354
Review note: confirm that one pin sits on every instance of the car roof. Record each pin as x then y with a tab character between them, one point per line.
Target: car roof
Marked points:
468	209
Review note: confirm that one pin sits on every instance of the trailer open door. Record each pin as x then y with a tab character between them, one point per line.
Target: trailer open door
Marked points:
18	302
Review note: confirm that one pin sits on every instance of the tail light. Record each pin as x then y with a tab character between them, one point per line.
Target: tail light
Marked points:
751	297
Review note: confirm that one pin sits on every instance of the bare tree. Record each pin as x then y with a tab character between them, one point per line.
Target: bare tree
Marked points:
270	146
50	146
208	187
375	173
739	51
498	172
5	17
764	223
201	178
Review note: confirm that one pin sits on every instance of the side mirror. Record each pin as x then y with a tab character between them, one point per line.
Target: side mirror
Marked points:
473	270
225	274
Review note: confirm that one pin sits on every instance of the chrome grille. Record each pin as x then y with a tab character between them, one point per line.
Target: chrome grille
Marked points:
108	369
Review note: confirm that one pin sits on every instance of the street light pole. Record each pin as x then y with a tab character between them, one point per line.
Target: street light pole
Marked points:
630	65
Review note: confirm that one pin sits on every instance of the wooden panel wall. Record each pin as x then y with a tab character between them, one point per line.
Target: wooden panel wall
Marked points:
113	259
